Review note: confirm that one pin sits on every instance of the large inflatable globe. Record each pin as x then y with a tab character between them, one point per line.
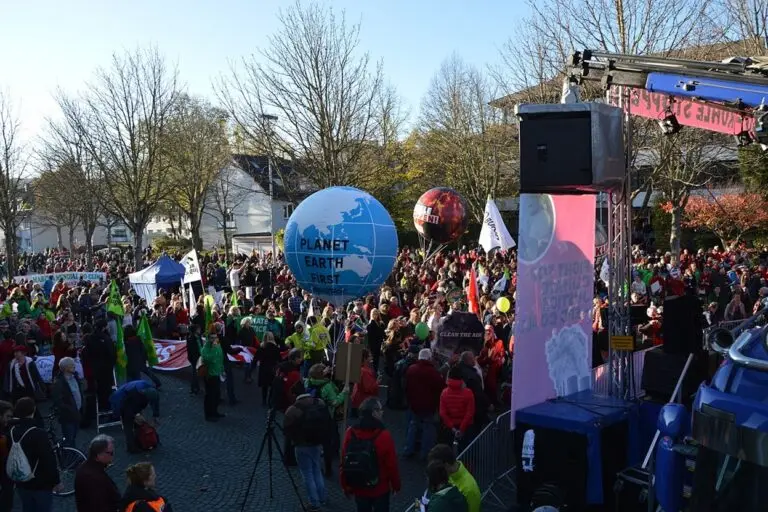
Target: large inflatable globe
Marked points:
440	215
341	244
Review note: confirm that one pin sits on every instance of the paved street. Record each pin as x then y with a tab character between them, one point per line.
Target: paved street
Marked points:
206	466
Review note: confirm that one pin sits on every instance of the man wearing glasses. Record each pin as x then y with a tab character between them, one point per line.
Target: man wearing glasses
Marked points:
94	488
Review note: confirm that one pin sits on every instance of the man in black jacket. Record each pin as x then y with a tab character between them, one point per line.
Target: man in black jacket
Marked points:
36	494
100	356
473	380
94	488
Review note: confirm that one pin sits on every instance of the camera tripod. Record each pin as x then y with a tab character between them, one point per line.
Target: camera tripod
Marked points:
271	442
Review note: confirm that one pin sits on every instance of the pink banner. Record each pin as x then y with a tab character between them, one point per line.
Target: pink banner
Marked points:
172	355
555	288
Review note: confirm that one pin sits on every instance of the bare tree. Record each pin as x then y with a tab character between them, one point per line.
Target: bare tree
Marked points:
745	24
71	172
51	209
682	162
121	119
462	136
224	196
13	179
197	150
320	86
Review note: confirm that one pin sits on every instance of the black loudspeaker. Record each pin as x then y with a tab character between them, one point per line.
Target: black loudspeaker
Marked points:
561	461
661	372
572	148
682	325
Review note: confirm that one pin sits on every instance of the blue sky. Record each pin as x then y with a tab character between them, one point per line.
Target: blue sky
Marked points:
49	43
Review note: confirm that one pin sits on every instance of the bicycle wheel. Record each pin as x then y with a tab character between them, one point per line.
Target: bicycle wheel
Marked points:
68	460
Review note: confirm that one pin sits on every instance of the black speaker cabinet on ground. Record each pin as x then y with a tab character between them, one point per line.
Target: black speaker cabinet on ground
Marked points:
682	325
572	148
561	460
661	372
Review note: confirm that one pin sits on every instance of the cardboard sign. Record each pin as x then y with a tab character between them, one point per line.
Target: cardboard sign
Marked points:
349	357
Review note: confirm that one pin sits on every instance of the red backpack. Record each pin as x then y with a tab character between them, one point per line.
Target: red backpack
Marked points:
146	436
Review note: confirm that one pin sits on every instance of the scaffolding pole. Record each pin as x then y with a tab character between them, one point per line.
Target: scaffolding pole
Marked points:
619	255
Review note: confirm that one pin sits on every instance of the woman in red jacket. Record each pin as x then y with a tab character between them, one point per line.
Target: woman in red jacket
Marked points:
492	360
457	404
368	385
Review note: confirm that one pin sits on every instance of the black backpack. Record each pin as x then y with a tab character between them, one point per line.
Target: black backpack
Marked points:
315	422
361	462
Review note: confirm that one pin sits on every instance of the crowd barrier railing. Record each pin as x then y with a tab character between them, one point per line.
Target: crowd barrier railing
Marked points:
489	457
601	378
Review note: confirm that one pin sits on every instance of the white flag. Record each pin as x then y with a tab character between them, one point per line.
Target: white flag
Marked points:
192	267
494	233
605	272
192	303
311	311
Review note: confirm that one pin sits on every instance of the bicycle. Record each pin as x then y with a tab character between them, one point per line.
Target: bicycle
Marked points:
68	459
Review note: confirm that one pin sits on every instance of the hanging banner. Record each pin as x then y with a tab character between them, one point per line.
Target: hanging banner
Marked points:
192	267
259	325
45	368
555	287
70	278
459	332
171	355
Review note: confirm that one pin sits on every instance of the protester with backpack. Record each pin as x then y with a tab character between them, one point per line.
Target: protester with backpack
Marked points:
31	463
369	466
6	484
308	423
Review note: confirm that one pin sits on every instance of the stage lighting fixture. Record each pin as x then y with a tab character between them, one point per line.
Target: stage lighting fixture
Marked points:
743	139
761	125
669	124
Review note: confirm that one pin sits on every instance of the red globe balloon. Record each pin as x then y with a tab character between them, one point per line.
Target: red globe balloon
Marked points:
440	215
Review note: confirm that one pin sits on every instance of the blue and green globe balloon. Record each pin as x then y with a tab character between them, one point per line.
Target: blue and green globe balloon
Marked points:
341	244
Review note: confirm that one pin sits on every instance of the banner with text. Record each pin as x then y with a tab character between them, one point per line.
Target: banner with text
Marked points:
171	355
459	332
70	278
555	287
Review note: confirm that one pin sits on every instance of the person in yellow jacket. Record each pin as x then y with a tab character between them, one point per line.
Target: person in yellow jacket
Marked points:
314	348
458	476
297	339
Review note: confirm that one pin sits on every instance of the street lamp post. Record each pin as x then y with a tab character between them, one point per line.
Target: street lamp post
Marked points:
269	120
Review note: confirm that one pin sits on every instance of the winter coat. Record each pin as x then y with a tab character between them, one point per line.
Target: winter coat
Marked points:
327	391
94	489
457	405
423	386
213	359
389	472
39	453
447	499
268	357
367	387
136	354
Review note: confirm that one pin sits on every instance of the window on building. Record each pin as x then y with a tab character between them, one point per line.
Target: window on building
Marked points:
287	211
230	216
120	233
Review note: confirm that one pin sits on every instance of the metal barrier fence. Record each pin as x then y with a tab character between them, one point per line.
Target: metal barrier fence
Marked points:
601	378
490	458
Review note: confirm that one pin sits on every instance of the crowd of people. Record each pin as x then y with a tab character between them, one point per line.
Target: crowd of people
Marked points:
292	339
